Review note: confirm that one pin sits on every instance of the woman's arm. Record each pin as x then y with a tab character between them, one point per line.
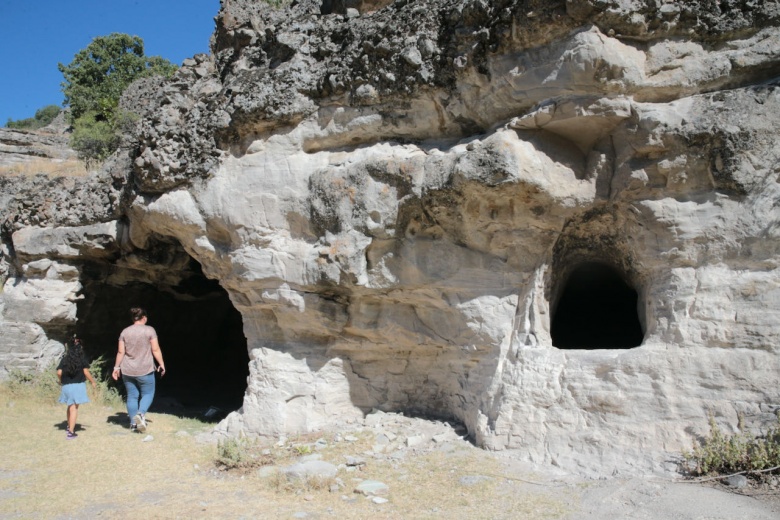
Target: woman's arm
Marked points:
120	354
157	353
59	375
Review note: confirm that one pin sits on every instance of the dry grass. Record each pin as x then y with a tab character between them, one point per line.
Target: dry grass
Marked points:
49	167
111	473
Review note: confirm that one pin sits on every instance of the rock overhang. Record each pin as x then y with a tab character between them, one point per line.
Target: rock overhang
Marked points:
403	246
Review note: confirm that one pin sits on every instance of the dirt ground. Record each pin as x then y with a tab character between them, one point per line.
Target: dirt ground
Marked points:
107	472
651	498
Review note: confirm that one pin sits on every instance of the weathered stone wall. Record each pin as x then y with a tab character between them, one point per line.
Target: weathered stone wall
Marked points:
394	200
18	147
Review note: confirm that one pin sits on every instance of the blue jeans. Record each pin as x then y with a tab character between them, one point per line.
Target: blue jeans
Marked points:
140	393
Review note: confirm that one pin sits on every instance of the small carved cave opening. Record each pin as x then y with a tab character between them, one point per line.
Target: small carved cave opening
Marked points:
199	330
596	309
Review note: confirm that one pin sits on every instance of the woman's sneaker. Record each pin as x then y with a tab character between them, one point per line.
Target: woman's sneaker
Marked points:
71	435
140	423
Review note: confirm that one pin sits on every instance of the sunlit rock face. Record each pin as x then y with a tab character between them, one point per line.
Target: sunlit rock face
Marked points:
557	223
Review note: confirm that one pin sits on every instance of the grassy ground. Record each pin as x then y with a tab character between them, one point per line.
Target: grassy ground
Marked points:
70	168
108	472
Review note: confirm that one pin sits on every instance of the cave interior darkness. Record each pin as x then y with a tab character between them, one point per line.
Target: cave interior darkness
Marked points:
199	330
596	309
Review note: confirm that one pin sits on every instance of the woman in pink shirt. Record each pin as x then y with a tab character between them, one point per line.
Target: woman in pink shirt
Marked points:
138	349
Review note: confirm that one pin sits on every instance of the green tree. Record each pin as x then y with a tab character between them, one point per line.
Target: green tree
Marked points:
100	72
43	116
94	82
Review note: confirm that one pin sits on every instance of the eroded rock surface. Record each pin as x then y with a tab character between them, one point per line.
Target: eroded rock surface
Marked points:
18	147
398	196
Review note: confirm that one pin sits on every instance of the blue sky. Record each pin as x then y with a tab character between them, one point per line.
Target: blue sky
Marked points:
38	34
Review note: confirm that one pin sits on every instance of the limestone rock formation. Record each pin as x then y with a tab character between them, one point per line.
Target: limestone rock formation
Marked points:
555	222
21	146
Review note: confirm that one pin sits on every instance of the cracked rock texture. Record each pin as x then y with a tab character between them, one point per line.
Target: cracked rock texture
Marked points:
395	196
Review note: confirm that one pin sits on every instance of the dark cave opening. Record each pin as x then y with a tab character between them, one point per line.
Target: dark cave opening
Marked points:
199	330
597	309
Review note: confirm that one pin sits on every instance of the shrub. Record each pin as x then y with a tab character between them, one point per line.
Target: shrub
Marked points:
124	122
34	384
104	393
302	449
45	385
719	453
93	139
241	453
43	116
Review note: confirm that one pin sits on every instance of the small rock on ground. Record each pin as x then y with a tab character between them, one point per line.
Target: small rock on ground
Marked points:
737	481
372	487
310	468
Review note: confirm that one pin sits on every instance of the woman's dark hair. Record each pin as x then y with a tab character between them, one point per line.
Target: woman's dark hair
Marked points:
74	359
137	313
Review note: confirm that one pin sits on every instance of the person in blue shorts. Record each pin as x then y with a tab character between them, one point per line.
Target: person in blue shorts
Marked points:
73	372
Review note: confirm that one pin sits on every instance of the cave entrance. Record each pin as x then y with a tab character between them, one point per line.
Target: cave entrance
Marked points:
597	309
199	330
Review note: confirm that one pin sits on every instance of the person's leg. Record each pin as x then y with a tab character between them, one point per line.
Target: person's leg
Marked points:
133	393
147	384
73	412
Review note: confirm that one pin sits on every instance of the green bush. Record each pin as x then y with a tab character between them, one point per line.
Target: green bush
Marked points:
45	385
34	384
105	393
124	122
43	116
719	453
93	139
241	453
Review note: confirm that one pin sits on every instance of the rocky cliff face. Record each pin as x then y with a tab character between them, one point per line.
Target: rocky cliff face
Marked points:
555	222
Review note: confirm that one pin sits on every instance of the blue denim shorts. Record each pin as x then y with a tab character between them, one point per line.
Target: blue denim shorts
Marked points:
74	393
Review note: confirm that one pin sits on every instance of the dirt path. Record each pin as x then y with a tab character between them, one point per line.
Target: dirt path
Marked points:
652	499
110	473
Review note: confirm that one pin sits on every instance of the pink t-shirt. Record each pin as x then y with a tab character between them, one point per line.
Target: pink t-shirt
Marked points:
138	360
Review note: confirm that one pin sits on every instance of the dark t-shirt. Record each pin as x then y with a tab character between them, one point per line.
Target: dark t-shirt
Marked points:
79	377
